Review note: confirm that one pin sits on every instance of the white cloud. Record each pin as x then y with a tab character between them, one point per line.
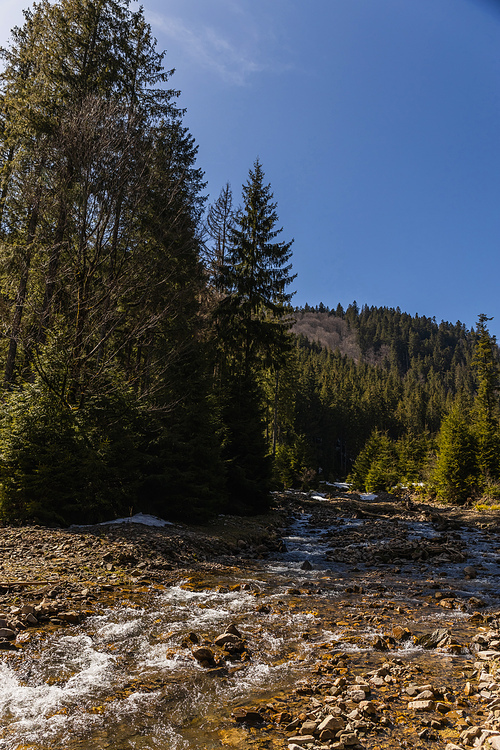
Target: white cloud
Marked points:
231	41
211	49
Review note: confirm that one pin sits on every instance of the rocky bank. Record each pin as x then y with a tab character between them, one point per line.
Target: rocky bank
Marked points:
373	698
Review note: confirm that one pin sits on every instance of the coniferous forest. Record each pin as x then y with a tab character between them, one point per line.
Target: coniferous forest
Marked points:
151	358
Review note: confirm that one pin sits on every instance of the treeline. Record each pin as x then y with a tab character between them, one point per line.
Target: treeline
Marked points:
136	338
386	398
146	357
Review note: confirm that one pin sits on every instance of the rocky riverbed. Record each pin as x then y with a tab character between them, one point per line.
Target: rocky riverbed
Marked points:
329	623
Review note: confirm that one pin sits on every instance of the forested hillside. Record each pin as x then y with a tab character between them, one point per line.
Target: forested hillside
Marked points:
146	350
134	338
378	389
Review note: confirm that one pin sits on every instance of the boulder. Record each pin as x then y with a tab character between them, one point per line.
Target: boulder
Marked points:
228	639
7	634
308	727
438	638
334	723
203	655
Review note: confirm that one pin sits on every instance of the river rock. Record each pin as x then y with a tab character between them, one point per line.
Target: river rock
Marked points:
283	718
305	738
368	707
401	634
426	705
380	644
356	695
308	727
7	634
233	630
27	609
247	716
334	723
349	739
438	638
70	617
484	655
470	572
203	655
469	735
425	695
228	639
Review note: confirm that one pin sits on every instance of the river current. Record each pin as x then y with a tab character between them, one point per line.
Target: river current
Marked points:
126	677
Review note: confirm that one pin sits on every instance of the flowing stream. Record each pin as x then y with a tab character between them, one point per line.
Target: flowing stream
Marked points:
126	678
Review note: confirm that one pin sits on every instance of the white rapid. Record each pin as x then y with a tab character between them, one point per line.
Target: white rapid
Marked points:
126	678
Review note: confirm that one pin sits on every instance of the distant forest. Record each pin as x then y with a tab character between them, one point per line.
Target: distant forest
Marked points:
150	356
392	399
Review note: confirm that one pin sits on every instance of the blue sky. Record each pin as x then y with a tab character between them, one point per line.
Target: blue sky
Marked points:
378	126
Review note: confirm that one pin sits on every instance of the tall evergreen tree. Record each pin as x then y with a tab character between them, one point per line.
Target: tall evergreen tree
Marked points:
486	403
252	328
456	473
256	276
100	272
219	225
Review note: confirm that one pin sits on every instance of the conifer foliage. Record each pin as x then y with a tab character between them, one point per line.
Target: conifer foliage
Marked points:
255	276
100	273
252	333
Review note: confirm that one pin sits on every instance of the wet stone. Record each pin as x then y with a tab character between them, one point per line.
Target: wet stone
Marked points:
303	738
308	727
334	723
421	705
7	634
203	655
247	716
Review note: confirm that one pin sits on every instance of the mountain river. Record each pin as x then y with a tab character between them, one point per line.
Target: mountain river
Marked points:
126	678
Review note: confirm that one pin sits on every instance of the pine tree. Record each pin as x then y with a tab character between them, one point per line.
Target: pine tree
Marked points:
252	328
101	211
219	226
485	362
456	474
256	276
84	108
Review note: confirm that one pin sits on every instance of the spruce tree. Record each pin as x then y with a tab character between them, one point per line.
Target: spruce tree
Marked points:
456	473
219	226
252	325
100	228
256	276
486	410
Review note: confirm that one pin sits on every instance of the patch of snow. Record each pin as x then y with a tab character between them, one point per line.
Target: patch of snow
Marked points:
368	497
143	518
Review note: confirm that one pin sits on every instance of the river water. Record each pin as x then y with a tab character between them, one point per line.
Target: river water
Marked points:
126	678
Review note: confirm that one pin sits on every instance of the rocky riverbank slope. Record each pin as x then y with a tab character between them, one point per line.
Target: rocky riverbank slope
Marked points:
413	648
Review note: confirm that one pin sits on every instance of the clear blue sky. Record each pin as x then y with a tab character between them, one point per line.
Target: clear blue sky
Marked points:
378	126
